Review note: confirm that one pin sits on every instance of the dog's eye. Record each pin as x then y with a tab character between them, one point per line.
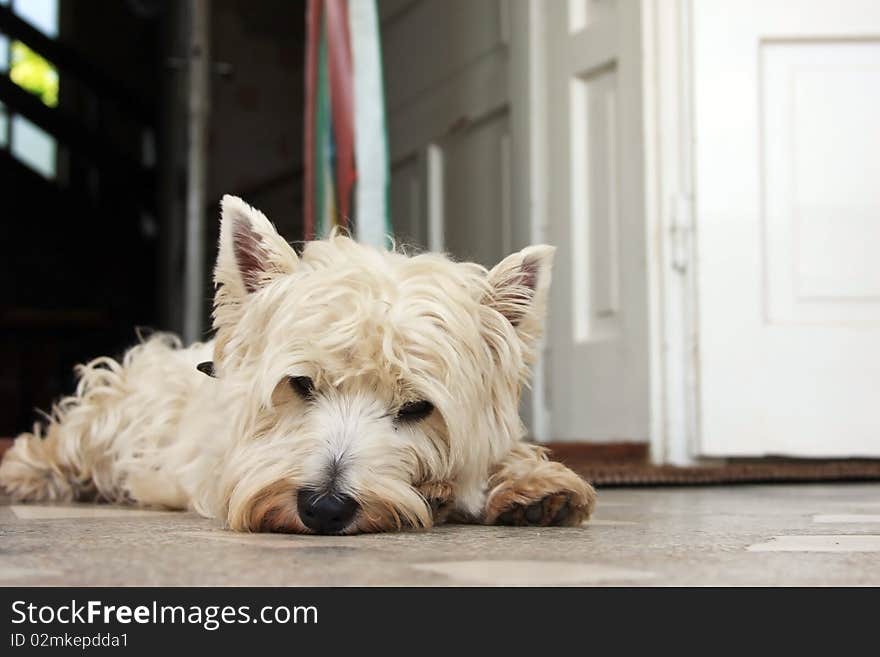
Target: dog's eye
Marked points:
303	386
414	411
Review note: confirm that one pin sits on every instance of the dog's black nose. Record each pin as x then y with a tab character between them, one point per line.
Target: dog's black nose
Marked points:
325	513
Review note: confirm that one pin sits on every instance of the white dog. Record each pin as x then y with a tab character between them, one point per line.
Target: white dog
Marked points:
350	390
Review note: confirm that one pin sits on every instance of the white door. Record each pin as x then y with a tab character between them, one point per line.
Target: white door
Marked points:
597	351
787	167
445	66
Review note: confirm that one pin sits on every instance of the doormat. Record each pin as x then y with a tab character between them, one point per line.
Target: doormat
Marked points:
628	464
608	475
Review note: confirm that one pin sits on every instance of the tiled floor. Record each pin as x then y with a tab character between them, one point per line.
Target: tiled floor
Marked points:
747	535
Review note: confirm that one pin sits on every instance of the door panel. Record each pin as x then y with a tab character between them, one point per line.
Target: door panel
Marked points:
595	217
819	108
476	173
407	201
430	41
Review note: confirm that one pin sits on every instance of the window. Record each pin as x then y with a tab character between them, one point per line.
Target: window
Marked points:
28	142
4	68
42	14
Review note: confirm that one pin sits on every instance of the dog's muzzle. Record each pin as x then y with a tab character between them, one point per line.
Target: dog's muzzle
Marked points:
325	513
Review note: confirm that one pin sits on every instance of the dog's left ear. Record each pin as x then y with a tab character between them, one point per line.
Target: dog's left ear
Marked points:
251	254
518	289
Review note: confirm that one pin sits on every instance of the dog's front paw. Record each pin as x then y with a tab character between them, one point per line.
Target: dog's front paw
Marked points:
554	495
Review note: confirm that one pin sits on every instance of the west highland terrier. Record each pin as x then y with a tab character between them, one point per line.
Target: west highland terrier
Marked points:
346	390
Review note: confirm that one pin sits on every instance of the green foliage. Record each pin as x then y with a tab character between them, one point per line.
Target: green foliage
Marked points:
34	73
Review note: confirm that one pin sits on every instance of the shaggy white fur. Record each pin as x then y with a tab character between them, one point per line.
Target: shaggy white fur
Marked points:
388	382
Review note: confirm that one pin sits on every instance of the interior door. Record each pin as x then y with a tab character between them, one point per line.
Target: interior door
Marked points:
597	375
445	66
787	164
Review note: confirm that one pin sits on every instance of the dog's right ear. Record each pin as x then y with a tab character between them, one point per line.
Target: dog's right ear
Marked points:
251	251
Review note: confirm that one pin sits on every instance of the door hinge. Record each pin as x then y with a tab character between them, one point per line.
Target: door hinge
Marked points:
680	230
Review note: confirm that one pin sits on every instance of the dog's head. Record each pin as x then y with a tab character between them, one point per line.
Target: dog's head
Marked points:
354	378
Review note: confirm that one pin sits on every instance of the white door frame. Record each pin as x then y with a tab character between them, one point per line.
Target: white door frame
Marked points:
671	225
528	130
668	157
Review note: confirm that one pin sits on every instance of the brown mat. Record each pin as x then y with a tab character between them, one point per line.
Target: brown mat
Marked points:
635	474
628	464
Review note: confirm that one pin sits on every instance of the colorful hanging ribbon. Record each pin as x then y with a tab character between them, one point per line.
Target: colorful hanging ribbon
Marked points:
346	152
